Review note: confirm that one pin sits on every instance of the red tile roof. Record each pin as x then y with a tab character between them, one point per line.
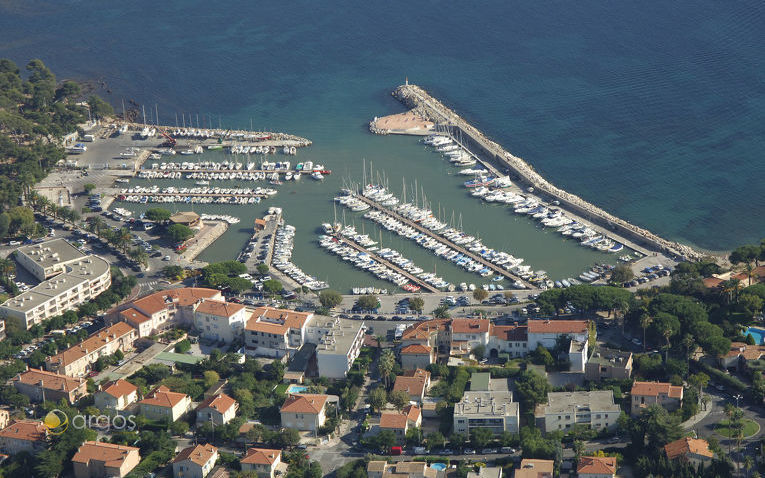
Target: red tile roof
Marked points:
134	316
687	445
653	389
220	403
422	330
413	385
276	321
470	326
199	454
261	456
510	333
50	380
393	420
183	297
416	349
597	465
412	412
219	308
27	430
96	341
304	403
557	326
112	456
163	397
119	388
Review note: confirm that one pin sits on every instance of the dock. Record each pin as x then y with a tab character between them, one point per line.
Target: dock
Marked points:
221	136
197	195
430	108
424	230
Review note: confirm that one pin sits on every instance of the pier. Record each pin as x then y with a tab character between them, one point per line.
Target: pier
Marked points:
198	195
224	137
497	269
430	108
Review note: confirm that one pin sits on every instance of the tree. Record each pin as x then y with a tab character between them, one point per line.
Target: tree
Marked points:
183	346
377	398
416	304
99	108
211	377
542	356
479	351
414	436
441	312
480	295
89	187
179	427
385	440
645	322
330	298
157	214
699	380
622	273
578	447
272	286
179	233
385	366
368	302
532	389
480	437
457	440
435	440
399	399
262	269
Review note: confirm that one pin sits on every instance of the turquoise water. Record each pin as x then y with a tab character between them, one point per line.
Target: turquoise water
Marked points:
296	388
438	466
653	110
758	334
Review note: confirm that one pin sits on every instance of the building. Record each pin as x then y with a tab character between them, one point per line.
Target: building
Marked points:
608	363
399	423
69	278
564	410
97	459
163	309
304	411
509	339
262	461
401	469
195	461
162	404
645	394
740	354
77	360
467	334
486	472
416	356
338	344
547	333
415	383
275	333
219	409
116	395
5	418
187	218
41	385
23	435
596	467
691	450
219	321
532	468
495	411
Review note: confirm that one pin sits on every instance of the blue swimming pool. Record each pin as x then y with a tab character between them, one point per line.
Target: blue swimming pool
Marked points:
438	466
758	334
296	388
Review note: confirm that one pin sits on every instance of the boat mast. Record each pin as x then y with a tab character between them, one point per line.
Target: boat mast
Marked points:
156	114
144	114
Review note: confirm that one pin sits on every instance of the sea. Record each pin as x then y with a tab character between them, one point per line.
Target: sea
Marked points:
654	111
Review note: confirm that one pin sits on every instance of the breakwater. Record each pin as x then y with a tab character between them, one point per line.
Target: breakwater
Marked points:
430	108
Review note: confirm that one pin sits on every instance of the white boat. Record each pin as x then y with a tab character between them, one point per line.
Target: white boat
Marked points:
317	175
202	183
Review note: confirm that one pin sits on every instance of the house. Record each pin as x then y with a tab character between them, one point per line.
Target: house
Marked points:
401	469
163	309
467	334
509	339
415	383
23	435
608	363
338	344
564	410
532	468
740	354
645	394
41	385
78	360
596	467
413	416
548	332
493	410
486	472
162	404
691	450
116	395
97	459
219	409
304	411
262	461
396	423
271	332
186	218
195	461
219	321
416	356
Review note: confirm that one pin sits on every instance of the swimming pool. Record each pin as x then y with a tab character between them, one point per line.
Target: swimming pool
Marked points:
758	334
296	388
438	466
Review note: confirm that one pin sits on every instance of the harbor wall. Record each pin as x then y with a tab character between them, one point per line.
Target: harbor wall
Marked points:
211	231
418	99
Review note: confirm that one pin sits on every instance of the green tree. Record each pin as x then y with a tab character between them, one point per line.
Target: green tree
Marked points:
183	346
89	187
272	286
385	439
211	377
399	399
622	273
179	427
479	351
532	389
179	233
457	440
99	108
416	304
157	214
330	298
385	366
368	302
480	295
377	398
480	437
435	440
441	312
414	436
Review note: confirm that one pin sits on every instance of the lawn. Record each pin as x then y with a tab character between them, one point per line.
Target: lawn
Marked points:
750	428
182	358
281	389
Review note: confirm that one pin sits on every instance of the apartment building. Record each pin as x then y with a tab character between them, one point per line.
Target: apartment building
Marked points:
218	409
262	461
195	461
645	394
608	363
68	278
41	385
271	332
116	395
564	410
163	309
23	436
162	404
98	459
338	344
219	321
494	410
305	412
78	360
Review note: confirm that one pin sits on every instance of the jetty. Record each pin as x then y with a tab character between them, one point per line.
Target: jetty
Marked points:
429	108
424	230
224	137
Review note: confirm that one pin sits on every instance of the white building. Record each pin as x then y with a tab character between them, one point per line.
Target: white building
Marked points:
564	410
69	278
219	321
116	395
493	410
338	342
304	411
218	409
275	333
261	461
195	461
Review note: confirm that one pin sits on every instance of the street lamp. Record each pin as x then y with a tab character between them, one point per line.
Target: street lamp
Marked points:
737	397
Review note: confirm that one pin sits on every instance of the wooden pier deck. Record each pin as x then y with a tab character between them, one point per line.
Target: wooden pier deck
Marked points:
497	269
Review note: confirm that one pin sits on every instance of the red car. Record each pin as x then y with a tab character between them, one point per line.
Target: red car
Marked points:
396	450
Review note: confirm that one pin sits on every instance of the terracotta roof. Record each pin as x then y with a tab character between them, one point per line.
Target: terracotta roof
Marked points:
276	321
470	326
50	380
712	282
183	297
597	465
412	412
653	389
199	454
134	316
163	397
532	468
413	385
220	403
110	455
261	456
94	342
28	430
557	326
219	308
686	445
304	403
422	330
393	420
416	349
749	352
119	388
510	333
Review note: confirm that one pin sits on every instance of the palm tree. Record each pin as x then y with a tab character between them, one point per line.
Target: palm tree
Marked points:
751	271
748	464
667	333
385	365
688	342
123	239
705	401
139	255
645	322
